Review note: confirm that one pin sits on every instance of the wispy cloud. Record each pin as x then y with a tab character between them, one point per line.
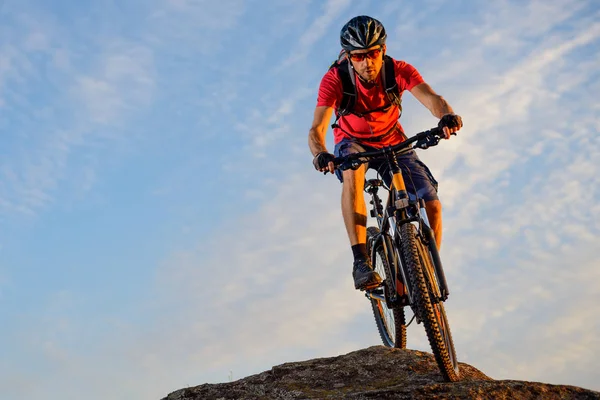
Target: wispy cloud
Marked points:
193	26
268	279
515	224
58	121
316	31
495	213
275	267
123	82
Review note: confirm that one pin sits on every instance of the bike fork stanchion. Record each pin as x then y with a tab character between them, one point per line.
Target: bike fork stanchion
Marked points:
435	255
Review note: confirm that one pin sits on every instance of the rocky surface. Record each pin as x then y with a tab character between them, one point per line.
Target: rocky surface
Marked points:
376	373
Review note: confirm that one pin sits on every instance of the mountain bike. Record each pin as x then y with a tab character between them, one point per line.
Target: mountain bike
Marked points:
403	251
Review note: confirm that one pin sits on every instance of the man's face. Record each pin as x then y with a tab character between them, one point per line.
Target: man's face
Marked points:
367	63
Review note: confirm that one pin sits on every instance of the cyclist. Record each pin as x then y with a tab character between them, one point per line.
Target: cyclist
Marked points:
372	124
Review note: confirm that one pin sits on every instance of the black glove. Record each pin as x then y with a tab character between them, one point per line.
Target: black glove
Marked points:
322	159
450	121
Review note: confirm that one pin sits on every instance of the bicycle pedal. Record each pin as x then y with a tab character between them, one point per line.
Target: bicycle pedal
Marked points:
372	286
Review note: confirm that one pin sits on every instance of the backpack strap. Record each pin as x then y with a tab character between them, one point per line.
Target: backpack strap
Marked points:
388	78
348	88
389	82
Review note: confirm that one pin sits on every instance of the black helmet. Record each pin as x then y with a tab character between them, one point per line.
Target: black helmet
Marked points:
361	33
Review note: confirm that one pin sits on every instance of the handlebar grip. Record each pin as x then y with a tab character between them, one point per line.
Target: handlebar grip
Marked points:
440	132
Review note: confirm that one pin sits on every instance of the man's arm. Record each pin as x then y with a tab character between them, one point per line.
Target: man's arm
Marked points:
434	103
430	99
316	135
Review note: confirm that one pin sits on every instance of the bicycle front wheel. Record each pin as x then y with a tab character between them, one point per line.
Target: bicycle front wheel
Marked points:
391	322
427	303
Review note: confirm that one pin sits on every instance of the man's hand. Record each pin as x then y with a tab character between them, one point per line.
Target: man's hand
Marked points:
324	162
450	123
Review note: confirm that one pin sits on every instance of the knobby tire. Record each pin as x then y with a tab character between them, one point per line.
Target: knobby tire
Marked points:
427	306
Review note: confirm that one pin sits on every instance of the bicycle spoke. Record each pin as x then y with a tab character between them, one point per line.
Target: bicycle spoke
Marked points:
390	321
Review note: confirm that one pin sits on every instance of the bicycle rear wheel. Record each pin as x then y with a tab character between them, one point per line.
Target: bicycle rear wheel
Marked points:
427	303
391	322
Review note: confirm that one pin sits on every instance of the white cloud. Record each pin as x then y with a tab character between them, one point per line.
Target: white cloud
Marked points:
123	82
193	26
502	196
267	288
261	297
503	266
320	26
519	187
534	320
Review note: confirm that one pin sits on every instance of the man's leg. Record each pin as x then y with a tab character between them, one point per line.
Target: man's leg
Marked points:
354	209
434	214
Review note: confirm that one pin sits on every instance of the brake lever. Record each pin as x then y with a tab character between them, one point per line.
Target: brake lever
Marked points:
428	142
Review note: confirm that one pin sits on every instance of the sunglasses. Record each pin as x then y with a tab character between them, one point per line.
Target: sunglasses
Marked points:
373	54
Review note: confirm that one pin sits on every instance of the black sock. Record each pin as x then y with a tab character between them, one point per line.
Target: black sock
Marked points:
359	251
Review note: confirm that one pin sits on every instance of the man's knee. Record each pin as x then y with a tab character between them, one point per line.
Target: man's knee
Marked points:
354	180
434	207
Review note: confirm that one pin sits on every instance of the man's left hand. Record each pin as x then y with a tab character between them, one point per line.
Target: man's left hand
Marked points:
450	123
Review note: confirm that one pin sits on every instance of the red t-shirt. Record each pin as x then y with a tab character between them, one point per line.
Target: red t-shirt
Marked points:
369	97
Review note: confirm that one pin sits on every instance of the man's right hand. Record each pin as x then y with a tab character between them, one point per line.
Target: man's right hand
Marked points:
450	123
324	162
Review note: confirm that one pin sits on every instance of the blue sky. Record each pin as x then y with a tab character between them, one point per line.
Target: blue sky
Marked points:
161	224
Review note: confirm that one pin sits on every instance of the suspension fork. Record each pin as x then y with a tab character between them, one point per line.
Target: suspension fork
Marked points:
435	255
397	207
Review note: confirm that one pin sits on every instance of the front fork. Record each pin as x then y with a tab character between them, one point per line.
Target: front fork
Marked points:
429	237
407	211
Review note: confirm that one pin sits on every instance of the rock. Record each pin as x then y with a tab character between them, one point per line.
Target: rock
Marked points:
377	372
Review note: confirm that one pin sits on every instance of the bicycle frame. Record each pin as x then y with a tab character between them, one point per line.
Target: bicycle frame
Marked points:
400	210
406	244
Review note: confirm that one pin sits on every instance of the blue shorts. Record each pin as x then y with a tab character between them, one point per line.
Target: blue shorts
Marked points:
417	177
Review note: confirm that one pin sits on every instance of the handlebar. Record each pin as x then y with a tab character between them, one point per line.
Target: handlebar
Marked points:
422	140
